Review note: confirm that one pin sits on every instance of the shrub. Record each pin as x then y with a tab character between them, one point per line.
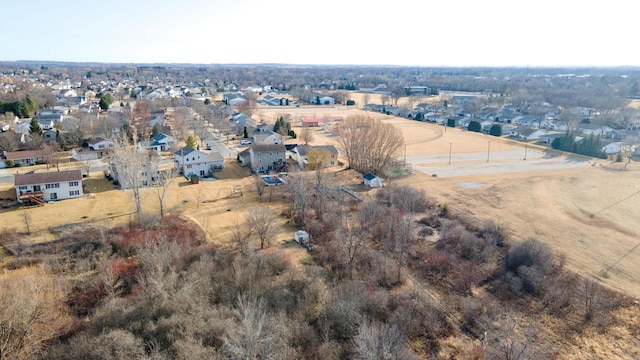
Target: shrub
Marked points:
474	126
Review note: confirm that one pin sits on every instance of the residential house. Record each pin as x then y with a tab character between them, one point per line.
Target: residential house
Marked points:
417	90
612	147
263	158
23	158
379	89
49	116
239	121
96	148
195	162
98	144
319	99
40	187
234	99
527	133
266	138
548	138
49	136
625	135
161	142
594	129
310	157
372	180
148	175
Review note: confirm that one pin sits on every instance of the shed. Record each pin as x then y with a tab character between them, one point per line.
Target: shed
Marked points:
301	237
372	180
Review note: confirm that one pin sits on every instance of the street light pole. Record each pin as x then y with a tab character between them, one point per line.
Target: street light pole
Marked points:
450	153
488	150
405	154
525	149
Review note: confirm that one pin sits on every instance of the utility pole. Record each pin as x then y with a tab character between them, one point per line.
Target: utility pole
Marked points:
450	153
526	144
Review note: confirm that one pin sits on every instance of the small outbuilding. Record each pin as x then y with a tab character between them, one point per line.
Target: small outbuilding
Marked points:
372	180
301	237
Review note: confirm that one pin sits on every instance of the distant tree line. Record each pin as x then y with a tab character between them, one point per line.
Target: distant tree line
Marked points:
589	146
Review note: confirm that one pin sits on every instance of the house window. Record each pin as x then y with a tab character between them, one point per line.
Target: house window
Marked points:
73	183
74	193
270	154
22	188
189	166
52	186
53	196
259	154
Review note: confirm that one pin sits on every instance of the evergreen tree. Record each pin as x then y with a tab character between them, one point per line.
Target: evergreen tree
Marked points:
245	134
31	106
157	129
104	104
496	130
191	142
34	127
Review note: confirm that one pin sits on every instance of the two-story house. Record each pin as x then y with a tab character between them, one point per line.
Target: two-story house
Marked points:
195	162
268	157
41	187
311	157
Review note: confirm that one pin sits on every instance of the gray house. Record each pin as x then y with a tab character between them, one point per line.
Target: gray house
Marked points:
265	158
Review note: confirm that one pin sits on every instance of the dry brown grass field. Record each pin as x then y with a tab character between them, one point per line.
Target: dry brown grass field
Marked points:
571	205
586	212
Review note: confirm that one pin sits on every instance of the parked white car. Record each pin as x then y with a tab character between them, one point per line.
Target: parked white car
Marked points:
245	142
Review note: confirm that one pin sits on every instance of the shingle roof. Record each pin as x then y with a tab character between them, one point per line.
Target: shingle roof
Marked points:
268	147
47	177
25	154
184	151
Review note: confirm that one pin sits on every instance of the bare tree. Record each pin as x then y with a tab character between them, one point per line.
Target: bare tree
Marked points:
164	181
128	162
26	218
380	341
250	337
369	144
180	125
52	154
366	98
259	184
32	313
350	242
248	106
306	135
589	292
262	222
512	340
8	141
385	99
141	118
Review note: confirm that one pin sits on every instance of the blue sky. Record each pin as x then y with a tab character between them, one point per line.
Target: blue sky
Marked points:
398	32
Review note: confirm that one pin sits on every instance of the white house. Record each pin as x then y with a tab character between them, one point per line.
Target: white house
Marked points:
98	144
161	142
612	148
372	180
47	186
269	137
195	162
